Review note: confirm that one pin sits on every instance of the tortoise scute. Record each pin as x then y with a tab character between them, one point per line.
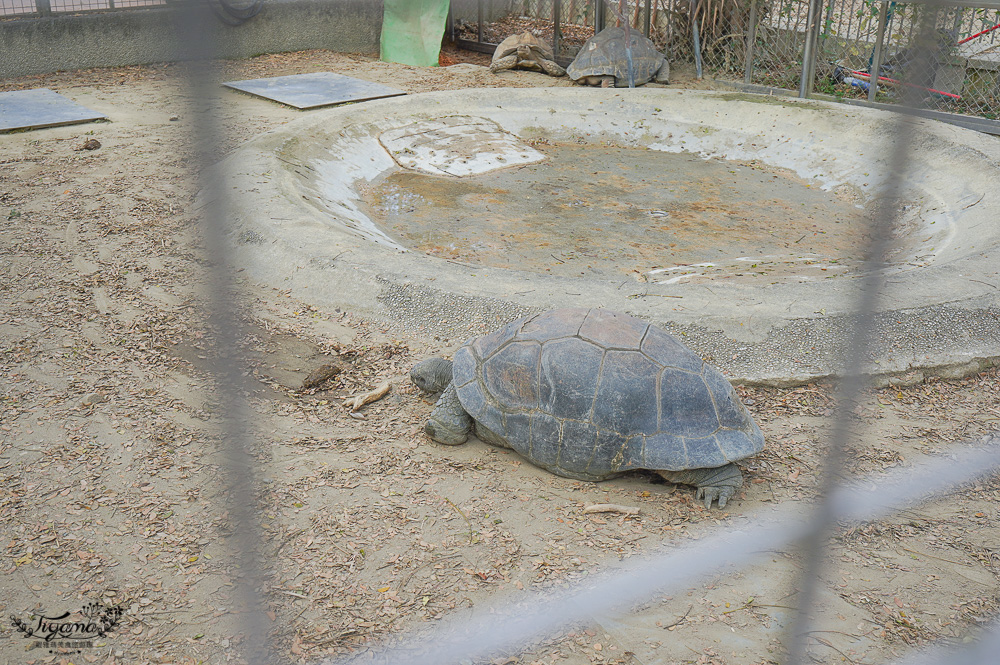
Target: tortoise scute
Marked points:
666	452
685	405
474	400
483	407
487	344
613	329
626	392
545	440
728	408
464	367
707	453
735	445
581	452
665	347
568	368
516	425
511	374
634	453
554	324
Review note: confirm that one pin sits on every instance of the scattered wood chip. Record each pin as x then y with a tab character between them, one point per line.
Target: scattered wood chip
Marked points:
355	403
610	508
320	375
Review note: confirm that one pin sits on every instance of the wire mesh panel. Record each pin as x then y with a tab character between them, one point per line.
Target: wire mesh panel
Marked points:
17	7
45	7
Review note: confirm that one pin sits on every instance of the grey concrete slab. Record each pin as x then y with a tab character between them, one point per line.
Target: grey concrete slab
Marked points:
773	313
41	107
309	91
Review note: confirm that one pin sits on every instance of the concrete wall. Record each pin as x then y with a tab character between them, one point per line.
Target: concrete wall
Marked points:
134	37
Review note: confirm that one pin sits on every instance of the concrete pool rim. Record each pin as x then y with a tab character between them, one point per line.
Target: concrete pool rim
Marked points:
938	319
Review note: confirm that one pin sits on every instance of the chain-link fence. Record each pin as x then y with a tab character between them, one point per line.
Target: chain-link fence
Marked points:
769	42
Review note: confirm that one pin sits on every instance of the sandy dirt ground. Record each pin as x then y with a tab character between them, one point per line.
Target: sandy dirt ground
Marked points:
111	453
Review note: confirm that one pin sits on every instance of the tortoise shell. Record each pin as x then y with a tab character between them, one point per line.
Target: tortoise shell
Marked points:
604	55
591	393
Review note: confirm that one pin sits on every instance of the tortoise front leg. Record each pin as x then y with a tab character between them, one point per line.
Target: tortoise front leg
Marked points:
720	483
507	62
449	423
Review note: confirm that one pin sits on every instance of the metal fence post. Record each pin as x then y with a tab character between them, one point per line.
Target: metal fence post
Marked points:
751	43
479	20
696	39
556	6
809	49
876	64
44	7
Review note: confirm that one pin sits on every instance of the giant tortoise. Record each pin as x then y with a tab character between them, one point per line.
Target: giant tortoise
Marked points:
590	394
603	61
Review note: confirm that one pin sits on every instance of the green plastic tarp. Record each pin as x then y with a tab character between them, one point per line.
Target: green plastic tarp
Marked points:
412	31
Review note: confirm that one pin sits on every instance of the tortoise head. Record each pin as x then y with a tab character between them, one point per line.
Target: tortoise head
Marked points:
432	375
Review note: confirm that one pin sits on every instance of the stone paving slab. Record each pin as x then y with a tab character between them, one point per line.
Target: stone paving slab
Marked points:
309	91
41	107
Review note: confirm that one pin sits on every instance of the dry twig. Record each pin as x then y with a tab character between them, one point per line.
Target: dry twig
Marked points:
355	403
610	508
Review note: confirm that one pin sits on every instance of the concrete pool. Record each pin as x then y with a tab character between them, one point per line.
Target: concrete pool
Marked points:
735	221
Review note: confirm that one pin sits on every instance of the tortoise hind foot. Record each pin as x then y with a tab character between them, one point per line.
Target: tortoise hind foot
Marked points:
710	494
716	484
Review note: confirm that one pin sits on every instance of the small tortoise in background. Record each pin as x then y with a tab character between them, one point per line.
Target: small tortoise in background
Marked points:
590	394
602	60
525	51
